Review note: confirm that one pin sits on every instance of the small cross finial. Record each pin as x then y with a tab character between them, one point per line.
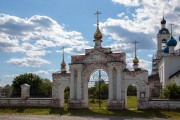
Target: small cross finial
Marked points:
163	14
171	28
63	52
97	14
135	42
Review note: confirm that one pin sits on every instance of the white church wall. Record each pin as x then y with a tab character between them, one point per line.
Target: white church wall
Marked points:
168	66
176	80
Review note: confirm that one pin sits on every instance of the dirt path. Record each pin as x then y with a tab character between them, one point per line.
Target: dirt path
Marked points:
64	117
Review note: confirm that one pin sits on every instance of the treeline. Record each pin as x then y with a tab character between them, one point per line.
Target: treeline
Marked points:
39	87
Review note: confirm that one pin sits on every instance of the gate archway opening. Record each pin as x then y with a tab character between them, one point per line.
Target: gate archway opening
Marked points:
98	89
131	97
66	95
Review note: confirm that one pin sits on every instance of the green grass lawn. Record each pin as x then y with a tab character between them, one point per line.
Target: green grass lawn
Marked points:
95	110
132	102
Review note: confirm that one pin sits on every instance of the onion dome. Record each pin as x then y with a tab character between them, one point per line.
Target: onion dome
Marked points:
166	50
163	21
136	60
97	34
63	64
171	41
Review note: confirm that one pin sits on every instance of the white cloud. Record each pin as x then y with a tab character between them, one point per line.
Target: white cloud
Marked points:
142	24
10	75
28	62
128	2
44	72
150	55
33	36
8	45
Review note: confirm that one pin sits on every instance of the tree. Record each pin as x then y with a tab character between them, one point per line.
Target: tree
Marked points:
66	94
46	88
39	87
131	90
94	91
7	90
171	91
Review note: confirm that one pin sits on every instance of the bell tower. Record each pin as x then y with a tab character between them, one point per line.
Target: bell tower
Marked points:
162	37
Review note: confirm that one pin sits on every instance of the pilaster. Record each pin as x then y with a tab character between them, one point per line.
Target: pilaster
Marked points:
72	83
110	84
79	82
118	83
76	103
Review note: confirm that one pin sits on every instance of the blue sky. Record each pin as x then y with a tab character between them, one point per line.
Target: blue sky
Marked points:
33	32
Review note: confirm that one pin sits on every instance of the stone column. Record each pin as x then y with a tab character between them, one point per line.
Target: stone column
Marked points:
72	84
118	84
79	84
110	84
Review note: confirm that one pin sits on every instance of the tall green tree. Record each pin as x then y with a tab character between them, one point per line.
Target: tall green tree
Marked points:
46	88
39	87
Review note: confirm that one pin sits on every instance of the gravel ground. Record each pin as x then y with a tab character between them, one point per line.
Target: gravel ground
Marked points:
66	117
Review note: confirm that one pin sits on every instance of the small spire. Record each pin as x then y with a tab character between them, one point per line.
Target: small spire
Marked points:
97	14
171	28
63	64
163	14
97	34
136	60
163	20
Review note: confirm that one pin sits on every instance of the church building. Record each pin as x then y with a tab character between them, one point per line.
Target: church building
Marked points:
166	61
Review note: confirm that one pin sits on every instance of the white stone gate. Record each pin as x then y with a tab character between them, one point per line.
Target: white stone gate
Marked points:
114	64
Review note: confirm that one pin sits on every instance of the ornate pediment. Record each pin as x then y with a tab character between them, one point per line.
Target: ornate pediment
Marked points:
95	57
98	56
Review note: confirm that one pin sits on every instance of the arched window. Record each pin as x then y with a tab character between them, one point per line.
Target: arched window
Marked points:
164	32
164	41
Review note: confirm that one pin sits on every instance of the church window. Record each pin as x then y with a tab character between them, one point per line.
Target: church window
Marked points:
163	32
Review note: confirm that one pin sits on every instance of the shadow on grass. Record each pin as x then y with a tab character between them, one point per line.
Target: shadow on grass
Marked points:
149	113
18	109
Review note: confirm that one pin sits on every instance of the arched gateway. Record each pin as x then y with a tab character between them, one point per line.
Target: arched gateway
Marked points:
114	64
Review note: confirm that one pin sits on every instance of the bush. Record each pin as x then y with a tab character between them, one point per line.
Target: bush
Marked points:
92	101
171	91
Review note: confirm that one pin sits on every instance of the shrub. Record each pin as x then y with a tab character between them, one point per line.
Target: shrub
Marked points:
171	91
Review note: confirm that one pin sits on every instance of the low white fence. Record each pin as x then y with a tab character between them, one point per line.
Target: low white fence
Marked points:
43	102
163	104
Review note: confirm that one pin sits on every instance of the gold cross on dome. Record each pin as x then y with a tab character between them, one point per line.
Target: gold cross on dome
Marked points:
97	14
63	52
171	28
135	42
